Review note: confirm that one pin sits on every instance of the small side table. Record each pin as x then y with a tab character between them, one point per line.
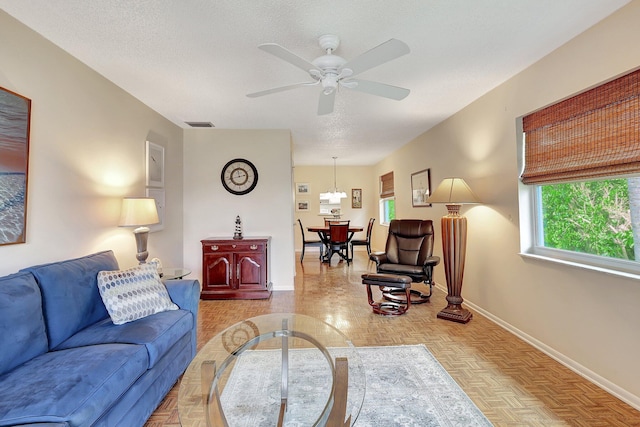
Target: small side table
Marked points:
174	273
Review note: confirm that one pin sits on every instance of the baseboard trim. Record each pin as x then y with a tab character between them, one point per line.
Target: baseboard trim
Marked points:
576	367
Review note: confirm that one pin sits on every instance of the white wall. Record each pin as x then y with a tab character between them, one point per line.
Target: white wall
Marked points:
87	151
587	319
210	211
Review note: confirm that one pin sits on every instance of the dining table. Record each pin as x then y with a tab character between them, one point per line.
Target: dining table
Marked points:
323	233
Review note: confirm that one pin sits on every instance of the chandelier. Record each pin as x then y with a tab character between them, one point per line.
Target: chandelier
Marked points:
334	195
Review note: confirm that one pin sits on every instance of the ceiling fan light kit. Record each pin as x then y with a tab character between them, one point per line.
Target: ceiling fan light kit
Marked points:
333	71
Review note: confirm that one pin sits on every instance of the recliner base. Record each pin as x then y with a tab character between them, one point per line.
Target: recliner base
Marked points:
399	297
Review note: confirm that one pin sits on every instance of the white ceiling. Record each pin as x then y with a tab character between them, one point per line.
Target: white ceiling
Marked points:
195	60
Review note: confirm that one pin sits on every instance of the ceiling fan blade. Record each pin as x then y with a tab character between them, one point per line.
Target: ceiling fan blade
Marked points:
287	55
325	105
281	89
391	49
379	89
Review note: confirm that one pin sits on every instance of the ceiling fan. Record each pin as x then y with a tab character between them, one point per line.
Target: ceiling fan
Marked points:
332	71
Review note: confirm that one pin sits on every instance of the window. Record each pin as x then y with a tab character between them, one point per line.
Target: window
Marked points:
580	156
387	201
387	210
589	217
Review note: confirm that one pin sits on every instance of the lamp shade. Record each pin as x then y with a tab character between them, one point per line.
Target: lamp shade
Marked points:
453	191
138	211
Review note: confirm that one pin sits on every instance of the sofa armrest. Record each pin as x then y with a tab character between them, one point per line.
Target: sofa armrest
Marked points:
186	295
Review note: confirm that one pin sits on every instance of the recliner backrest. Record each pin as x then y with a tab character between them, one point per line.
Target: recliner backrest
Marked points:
410	241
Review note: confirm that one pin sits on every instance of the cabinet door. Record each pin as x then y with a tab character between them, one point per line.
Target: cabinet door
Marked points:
251	271
217	272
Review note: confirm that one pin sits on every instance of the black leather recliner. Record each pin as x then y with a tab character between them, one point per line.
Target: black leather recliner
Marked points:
408	252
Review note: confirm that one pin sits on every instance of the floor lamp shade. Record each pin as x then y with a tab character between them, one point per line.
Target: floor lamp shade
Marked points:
454	192
139	212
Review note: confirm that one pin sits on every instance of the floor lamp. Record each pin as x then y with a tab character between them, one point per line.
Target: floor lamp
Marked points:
454	192
139	212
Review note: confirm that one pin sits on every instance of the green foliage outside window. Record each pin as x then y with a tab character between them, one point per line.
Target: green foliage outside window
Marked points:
593	217
391	210
387	210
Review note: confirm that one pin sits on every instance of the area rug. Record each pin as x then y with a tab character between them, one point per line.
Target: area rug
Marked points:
405	386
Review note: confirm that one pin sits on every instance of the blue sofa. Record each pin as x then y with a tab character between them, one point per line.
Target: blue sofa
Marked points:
64	363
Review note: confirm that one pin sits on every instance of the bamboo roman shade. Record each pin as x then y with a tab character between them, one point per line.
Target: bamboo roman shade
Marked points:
386	185
593	134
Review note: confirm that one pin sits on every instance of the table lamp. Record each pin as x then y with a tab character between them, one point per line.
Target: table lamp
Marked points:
139	212
454	192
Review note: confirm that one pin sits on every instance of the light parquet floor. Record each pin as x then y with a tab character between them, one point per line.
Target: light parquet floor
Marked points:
511	382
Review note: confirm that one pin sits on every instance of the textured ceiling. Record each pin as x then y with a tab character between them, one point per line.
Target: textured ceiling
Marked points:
195	60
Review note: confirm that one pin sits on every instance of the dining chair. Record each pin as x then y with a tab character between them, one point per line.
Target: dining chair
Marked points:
319	243
364	242
339	240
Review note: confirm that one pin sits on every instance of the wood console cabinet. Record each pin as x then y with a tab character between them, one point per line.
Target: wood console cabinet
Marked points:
235	268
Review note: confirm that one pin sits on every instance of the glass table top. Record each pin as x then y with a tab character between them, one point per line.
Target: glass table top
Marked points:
280	369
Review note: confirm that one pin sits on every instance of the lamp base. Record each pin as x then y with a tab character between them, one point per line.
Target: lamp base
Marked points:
454	246
142	235
455	313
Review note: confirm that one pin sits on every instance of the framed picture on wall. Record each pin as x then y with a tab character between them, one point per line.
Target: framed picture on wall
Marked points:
302	188
15	119
421	188
302	205
356	198
158	195
155	165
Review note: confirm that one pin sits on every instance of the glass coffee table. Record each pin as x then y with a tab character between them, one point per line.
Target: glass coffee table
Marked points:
274	370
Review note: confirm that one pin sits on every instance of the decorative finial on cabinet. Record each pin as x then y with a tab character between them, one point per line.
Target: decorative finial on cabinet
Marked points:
238	232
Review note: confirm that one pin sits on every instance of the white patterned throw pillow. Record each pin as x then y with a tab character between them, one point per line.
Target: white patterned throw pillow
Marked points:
134	293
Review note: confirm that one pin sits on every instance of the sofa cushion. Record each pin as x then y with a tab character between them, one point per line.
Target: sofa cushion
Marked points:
157	333
22	332
134	293
70	293
76	385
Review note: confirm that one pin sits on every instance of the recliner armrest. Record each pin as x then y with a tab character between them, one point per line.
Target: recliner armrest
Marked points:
378	257
432	261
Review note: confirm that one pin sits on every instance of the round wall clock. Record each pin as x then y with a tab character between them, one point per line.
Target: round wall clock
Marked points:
239	176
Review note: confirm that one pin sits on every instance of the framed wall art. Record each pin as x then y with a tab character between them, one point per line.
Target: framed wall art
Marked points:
158	195
356	198
302	188
155	165
302	205
15	119
421	188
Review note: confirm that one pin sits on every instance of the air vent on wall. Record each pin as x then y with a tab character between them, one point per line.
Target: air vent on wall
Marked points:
200	124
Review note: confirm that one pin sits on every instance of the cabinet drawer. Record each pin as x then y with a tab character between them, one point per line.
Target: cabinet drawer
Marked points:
213	247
